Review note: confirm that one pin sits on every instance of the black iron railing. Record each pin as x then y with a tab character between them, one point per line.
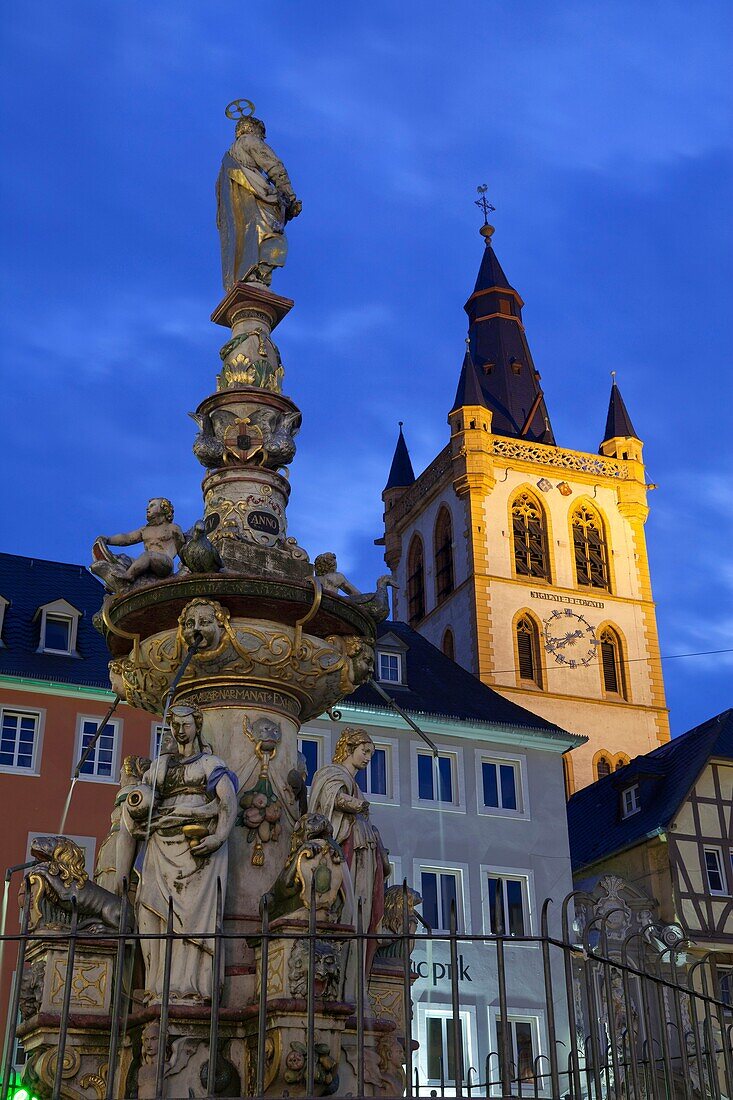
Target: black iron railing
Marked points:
611	1017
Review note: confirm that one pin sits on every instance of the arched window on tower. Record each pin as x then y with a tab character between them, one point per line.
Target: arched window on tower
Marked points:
443	555
529	537
416	581
449	644
589	545
603	767
612	663
529	663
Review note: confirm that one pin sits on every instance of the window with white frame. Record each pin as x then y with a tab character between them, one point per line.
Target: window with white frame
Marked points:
725	986
501	785
376	779
389	667
436	777
630	802
102	760
57	634
396	877
312	749
714	871
441	892
58	629
19	1056
440	1049
19	739
521	1036
156	735
506	898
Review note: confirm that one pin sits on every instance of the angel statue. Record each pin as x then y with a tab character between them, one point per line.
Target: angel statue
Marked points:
254	199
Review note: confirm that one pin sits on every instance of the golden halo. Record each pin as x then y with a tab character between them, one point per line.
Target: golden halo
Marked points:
235	110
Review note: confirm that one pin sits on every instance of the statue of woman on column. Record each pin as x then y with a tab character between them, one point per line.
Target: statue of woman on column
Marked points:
254	199
336	794
193	797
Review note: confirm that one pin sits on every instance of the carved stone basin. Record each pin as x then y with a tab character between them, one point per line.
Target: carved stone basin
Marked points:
156	608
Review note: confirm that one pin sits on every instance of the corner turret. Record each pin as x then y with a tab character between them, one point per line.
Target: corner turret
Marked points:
620	439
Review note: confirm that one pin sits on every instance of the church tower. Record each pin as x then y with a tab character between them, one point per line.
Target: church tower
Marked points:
526	561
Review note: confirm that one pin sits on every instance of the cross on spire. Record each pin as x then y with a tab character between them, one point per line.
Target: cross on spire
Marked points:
483	203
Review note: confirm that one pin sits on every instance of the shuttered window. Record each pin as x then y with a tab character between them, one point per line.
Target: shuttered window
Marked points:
528	650
589	546
603	767
612	668
529	538
443	555
416	582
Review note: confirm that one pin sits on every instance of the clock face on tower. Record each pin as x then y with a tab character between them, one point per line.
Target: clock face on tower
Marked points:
569	638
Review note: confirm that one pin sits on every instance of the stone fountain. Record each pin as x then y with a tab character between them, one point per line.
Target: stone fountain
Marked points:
234	649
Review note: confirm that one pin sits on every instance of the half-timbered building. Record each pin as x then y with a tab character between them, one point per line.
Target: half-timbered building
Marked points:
664	825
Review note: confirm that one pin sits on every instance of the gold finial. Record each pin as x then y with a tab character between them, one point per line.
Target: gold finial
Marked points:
483	204
235	110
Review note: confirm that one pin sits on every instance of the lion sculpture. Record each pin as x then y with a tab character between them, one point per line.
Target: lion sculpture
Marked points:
394	921
60	876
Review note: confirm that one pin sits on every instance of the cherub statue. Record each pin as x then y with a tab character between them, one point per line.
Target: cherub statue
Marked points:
254	199
375	604
162	539
332	582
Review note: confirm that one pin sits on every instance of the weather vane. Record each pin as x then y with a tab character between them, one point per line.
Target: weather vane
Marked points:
483	203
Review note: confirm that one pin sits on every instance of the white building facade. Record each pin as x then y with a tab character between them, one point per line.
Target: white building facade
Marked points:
482	827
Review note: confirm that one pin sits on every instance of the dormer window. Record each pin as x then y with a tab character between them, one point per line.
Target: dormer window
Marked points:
3	604
630	802
389	667
58	628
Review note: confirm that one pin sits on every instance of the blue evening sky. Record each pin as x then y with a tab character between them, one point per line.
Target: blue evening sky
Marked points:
604	133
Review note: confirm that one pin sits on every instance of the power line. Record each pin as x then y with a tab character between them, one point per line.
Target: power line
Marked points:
627	660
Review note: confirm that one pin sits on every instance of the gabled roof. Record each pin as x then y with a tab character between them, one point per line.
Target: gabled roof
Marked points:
618	421
469	390
438	686
401	473
32	583
665	777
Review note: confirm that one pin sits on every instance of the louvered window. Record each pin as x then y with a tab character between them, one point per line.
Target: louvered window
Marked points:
611	664
443	555
416	582
589	544
530	542
528	651
603	767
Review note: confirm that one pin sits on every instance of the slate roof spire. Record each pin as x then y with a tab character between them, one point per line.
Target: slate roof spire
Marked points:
502	361
469	390
618	421
401	473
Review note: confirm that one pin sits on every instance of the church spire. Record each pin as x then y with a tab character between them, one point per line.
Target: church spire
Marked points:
469	390
502	361
401	473
618	421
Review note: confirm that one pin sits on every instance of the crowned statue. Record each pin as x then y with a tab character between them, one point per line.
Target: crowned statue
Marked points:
254	199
